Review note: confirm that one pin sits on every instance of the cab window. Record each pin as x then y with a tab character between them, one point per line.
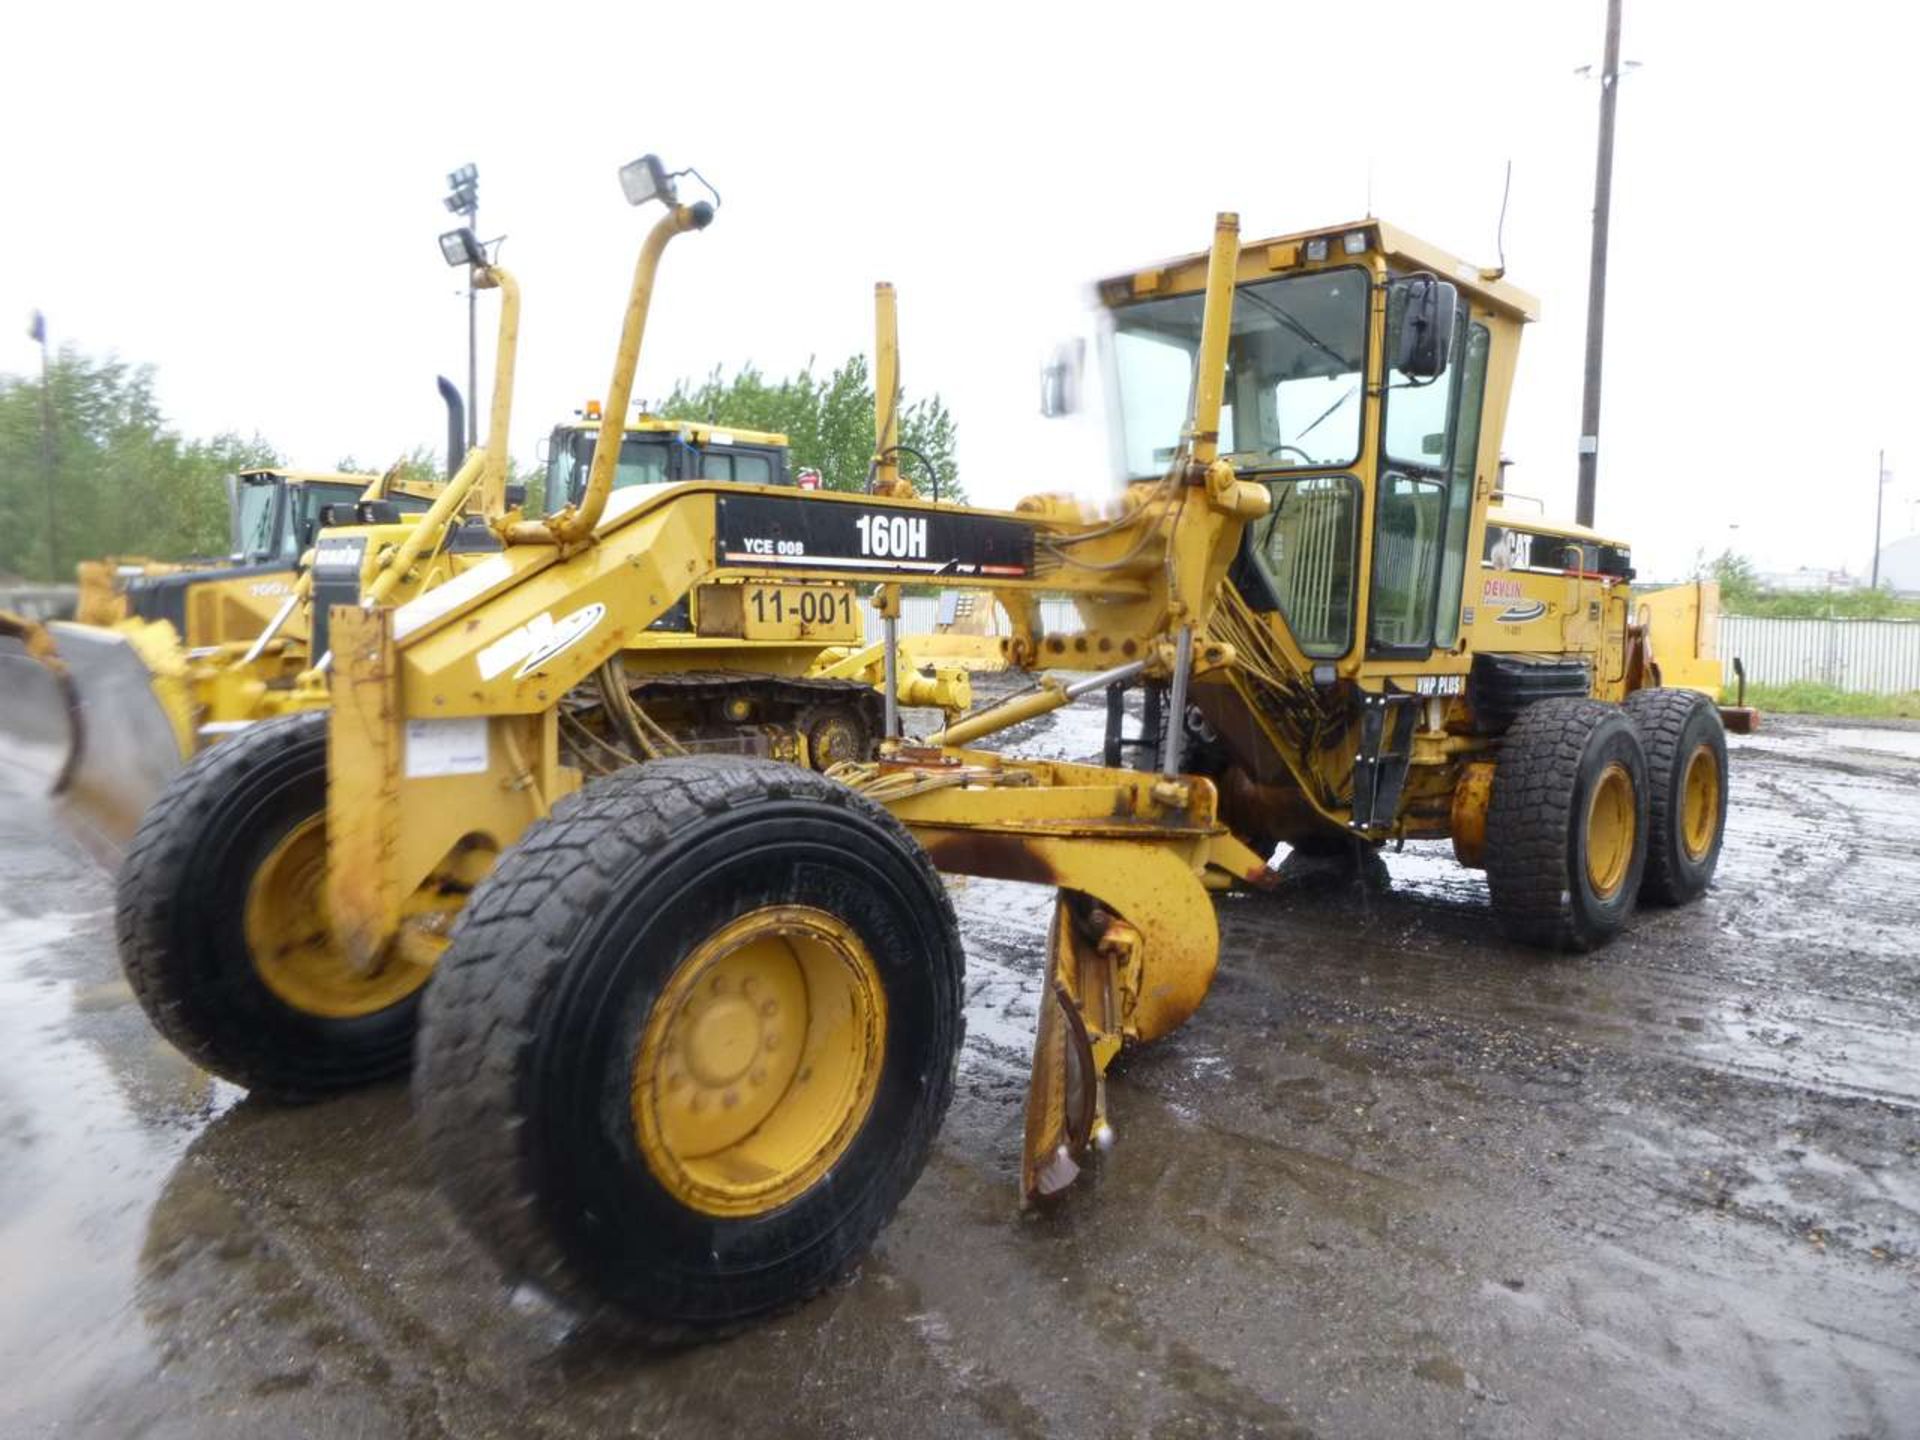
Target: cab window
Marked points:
1424	502
1295	360
1460	481
742	467
1305	548
643	461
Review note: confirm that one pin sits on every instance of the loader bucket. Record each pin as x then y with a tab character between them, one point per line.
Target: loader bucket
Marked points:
129	726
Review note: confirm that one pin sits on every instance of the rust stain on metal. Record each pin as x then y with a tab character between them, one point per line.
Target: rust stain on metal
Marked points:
998	857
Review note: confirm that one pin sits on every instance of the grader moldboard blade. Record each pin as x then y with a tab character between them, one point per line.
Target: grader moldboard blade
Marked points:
99	723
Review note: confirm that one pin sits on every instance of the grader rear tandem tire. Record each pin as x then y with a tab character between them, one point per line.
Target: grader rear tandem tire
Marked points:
1686	749
1567	824
692	1042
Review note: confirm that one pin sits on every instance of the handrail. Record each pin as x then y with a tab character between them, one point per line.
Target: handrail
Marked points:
575	523
493	488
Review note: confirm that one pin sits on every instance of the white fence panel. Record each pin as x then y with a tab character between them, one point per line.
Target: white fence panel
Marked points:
920	613
1876	657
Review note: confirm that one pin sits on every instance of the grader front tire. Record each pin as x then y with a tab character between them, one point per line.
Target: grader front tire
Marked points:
1567	824
1686	749
222	927
692	1042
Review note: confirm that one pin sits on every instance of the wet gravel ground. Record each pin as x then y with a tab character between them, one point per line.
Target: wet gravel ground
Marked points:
1397	1178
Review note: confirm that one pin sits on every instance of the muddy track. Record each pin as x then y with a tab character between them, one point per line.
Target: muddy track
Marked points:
1397	1177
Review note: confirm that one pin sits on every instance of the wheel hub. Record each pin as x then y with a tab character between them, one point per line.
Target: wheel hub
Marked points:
1700	805
290	939
1611	823
759	1061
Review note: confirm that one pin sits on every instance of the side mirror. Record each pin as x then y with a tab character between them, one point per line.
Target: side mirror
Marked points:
516	497
1423	336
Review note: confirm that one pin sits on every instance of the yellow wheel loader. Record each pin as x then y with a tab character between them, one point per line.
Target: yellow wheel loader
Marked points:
686	1029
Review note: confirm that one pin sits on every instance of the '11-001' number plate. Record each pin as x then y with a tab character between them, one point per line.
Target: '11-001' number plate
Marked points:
826	613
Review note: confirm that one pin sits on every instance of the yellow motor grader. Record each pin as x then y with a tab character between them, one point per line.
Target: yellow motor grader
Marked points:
682	1030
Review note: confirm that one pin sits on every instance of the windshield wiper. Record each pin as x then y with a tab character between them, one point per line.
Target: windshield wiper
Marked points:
1299	330
1351	391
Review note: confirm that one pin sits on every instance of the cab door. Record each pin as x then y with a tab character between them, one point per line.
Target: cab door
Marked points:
1423	498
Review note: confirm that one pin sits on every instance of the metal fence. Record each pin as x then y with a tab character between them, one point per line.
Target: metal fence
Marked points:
1874	657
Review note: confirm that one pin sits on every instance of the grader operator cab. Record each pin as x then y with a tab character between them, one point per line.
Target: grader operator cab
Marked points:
654	451
682	1029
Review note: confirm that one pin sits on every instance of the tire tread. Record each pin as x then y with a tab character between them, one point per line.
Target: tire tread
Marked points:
510	949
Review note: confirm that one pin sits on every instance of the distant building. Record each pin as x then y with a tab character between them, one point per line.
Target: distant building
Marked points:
1900	566
1810	581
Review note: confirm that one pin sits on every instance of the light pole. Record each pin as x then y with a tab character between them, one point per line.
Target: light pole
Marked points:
1597	275
1879	504
37	330
465	201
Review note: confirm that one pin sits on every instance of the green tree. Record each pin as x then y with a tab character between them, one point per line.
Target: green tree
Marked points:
1738	581
421	465
1741	593
123	482
828	421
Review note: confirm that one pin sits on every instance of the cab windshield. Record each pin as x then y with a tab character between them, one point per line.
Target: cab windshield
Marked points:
1295	370
256	516
643	461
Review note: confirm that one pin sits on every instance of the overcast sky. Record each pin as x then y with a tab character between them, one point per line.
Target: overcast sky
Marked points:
247	197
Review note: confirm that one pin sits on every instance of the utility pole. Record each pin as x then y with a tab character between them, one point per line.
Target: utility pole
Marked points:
1597	279
1879	504
465	201
37	330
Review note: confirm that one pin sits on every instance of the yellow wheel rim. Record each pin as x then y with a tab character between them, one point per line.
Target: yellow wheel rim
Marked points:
1610	831
1700	805
290	938
759	1061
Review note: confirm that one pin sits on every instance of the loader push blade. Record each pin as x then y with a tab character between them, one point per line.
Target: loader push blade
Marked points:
132	732
39	732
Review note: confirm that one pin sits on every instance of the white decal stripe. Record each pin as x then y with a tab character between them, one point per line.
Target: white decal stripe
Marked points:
468	585
845	562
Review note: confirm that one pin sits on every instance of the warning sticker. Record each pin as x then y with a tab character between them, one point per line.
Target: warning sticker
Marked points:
455	746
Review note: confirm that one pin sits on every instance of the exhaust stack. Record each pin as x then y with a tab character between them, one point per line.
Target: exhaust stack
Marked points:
456	424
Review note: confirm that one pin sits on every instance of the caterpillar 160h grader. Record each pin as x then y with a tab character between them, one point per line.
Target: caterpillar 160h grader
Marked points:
681	1032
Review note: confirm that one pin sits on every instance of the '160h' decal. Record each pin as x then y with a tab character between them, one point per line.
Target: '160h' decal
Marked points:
764	531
